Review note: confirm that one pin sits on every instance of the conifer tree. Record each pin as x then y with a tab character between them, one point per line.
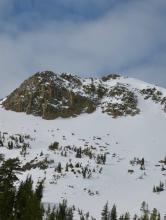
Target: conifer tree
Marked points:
113	213
105	213
8	176
61	212
127	216
59	168
144	208
154	215
39	190
28	204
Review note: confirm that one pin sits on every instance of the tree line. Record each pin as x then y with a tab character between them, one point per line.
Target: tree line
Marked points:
24	201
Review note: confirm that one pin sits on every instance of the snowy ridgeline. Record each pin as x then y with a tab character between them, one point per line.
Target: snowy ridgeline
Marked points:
95	158
50	96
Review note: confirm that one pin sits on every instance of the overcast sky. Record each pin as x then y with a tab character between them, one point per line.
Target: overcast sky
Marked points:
86	37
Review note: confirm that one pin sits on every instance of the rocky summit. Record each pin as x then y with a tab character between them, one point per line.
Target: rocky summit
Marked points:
51	95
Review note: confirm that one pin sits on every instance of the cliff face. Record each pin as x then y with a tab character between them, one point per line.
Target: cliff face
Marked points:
50	95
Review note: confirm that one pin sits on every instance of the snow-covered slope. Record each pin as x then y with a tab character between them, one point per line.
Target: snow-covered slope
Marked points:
119	180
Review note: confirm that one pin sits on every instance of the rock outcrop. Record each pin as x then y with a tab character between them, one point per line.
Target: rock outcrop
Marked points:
50	95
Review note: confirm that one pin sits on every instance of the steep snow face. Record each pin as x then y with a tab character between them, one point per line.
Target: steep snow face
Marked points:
87	181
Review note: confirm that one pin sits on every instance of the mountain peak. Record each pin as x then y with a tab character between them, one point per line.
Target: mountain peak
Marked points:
49	95
101	158
52	95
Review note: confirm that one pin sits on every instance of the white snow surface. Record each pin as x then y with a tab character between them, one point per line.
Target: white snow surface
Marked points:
143	135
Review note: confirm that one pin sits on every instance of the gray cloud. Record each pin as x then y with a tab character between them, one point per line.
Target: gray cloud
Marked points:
130	39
